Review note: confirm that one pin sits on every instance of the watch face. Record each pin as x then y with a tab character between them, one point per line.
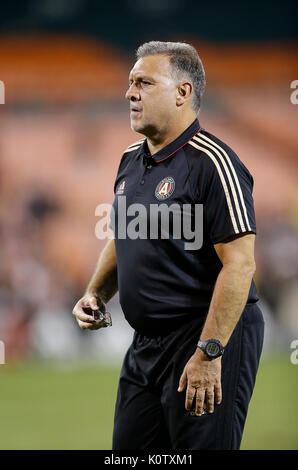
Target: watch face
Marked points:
212	349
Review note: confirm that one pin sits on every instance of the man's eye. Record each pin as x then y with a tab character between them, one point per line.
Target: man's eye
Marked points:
144	82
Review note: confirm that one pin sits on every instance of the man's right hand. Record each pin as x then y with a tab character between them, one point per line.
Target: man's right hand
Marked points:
83	312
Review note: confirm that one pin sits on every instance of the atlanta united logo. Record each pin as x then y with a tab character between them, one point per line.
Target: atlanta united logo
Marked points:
165	188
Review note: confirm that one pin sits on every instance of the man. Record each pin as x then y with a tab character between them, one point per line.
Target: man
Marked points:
187	378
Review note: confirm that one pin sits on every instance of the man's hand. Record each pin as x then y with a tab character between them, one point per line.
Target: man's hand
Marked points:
83	312
202	380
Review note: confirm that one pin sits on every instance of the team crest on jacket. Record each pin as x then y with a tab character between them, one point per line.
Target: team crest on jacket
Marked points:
120	188
165	188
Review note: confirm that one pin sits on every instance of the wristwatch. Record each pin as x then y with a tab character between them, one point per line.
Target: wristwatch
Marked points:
211	347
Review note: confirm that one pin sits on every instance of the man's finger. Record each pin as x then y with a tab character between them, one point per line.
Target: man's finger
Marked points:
218	393
84	317
93	303
182	381
200	399
89	326
79	313
84	325
189	396
209	400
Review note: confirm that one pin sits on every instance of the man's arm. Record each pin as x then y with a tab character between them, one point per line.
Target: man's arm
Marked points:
104	280
101	288
201	376
231	288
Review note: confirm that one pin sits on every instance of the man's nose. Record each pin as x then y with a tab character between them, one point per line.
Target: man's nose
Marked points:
132	93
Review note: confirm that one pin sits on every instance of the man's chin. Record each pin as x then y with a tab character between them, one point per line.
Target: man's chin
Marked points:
141	128
137	127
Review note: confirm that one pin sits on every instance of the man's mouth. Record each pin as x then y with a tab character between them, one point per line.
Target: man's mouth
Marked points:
135	110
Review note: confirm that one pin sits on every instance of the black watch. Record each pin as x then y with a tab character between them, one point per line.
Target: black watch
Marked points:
212	348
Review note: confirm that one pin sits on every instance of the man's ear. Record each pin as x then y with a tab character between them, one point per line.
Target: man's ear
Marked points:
183	93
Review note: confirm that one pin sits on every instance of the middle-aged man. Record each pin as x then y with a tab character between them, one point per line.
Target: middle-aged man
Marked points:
188	376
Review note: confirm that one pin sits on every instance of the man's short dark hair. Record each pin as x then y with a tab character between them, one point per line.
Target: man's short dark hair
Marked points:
185	63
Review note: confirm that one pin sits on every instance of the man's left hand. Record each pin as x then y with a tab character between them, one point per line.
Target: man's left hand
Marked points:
202	379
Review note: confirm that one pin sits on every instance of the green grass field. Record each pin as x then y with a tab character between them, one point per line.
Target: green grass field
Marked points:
45	406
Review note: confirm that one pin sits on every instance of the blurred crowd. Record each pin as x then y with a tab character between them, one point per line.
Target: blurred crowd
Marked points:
29	282
37	293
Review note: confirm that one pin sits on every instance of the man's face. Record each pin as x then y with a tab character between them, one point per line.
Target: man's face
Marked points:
152	95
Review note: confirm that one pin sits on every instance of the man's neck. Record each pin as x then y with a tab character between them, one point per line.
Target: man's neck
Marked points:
161	140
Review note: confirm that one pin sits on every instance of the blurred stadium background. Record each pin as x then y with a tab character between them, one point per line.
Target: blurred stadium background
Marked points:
63	128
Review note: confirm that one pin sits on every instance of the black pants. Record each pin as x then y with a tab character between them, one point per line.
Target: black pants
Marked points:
150	413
